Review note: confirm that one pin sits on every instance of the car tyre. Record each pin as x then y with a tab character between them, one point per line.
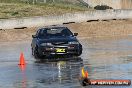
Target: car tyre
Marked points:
36	53
79	53
32	52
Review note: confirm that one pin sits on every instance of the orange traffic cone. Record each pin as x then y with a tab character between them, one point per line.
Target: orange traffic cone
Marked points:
86	74
22	60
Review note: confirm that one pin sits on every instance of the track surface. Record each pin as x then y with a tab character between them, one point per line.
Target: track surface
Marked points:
104	59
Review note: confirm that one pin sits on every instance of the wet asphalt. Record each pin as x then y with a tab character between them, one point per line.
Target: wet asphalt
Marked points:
102	58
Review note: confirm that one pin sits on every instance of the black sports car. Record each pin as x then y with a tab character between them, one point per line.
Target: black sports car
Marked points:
55	41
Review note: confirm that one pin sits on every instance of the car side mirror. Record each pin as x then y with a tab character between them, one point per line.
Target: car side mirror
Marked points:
34	36
75	34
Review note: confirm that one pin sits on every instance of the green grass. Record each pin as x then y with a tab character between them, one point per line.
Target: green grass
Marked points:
17	9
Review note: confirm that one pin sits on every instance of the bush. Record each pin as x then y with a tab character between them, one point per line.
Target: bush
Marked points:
102	7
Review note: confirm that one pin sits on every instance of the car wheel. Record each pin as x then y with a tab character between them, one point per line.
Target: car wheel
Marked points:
36	53
32	52
79	53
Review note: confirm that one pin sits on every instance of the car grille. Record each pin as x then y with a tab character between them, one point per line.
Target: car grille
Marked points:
59	43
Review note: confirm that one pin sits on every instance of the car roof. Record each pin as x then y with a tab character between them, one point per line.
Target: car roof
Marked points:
52	27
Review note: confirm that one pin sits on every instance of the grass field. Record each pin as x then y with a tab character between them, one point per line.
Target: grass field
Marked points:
17	8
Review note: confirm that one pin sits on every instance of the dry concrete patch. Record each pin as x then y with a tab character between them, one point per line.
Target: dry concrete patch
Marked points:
95	29
16	34
103	28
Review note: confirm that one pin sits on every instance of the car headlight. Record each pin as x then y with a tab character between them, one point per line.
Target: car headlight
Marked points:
45	44
74	42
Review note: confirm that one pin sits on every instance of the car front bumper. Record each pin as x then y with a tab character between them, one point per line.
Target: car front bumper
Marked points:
59	50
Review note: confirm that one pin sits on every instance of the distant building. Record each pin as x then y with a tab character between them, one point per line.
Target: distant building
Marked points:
115	4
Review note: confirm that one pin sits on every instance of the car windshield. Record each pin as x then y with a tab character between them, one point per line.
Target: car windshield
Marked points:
53	32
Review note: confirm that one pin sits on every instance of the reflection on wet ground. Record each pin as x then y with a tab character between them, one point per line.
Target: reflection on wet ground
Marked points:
112	58
104	59
42	75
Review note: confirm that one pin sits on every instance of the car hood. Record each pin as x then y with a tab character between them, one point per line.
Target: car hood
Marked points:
57	39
